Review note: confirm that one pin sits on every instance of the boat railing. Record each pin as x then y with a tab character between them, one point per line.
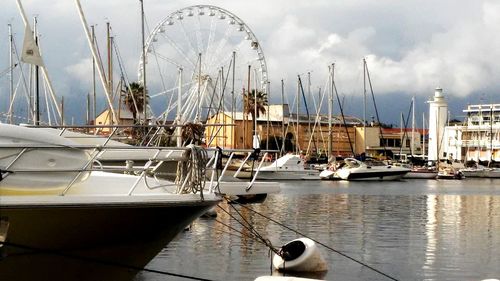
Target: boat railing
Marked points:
92	164
104	147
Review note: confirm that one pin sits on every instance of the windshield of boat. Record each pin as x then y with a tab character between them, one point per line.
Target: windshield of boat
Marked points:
374	162
351	163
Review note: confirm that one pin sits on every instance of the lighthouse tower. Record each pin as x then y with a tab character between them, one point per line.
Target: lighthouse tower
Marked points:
438	114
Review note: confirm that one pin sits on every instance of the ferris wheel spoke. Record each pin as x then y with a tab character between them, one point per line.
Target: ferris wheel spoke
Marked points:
188	40
178	49
222	43
199	35
213	26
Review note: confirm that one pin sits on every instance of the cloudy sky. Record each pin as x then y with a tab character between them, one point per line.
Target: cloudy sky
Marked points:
411	46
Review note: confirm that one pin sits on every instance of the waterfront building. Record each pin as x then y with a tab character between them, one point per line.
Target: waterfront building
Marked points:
477	139
300	135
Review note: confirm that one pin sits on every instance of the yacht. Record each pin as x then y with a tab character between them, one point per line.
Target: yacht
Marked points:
287	167
370	169
163	163
63	217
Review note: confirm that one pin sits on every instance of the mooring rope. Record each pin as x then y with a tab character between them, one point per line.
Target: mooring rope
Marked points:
304	235
248	226
191	173
97	261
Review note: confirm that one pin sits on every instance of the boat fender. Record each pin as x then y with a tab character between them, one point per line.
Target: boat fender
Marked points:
299	255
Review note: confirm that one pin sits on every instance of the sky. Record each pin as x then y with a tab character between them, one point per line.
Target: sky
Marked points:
411	47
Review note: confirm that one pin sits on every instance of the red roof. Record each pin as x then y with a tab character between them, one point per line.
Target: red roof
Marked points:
408	130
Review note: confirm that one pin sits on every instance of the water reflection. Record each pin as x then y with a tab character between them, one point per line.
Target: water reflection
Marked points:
410	230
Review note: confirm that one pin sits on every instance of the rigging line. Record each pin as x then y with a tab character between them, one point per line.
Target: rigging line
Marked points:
307	110
212	96
162	78
322	244
375	106
26	91
342	113
47	103
316	122
97	261
221	103
404	133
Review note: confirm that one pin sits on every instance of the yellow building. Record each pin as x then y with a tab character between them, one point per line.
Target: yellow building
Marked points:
277	126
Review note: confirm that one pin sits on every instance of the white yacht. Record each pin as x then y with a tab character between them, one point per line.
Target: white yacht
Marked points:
59	215
287	167
353	169
163	162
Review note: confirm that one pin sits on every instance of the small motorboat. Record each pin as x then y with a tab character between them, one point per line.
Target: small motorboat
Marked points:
287	167
370	169
449	173
421	173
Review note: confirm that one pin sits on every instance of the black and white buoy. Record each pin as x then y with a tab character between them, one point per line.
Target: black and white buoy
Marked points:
300	255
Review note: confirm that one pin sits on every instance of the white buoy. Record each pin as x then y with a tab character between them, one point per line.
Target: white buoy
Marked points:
300	255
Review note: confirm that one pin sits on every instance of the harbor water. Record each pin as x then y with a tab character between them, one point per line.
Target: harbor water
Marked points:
408	230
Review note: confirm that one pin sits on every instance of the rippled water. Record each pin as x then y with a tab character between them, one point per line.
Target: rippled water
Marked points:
409	230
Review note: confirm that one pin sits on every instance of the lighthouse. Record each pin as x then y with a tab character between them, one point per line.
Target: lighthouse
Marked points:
438	114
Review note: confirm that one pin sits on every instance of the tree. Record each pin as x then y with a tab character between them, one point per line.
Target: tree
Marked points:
249	106
193	133
134	99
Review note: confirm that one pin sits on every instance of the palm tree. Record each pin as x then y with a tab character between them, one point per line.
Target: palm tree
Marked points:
193	133
249	107
134	99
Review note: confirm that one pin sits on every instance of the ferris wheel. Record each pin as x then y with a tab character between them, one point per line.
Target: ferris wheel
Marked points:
199	60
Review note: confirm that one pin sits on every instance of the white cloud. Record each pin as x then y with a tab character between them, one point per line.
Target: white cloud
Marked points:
411	46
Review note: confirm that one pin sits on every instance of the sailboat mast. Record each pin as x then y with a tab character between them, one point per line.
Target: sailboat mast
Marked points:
179	110
412	141
94	54
423	133
491	135
109	40
282	117
364	105
330	103
145	106
233	102
94	100
298	102
37	78
309	97
11	71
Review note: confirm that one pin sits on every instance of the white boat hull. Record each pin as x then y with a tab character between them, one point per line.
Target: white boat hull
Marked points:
118	231
291	175
363	174
420	175
328	175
